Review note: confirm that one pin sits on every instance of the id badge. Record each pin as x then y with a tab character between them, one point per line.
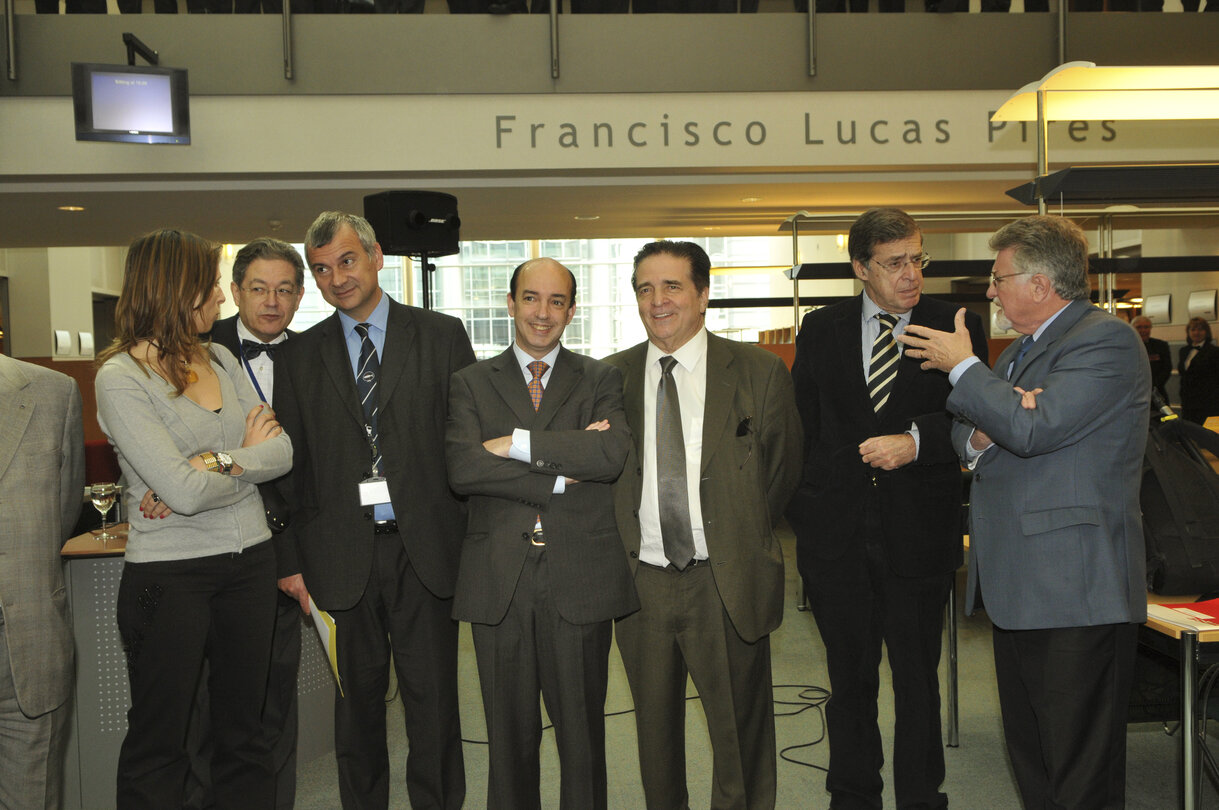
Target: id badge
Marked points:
374	491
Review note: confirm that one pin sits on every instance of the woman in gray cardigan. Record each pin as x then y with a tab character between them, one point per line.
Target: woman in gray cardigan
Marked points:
193	441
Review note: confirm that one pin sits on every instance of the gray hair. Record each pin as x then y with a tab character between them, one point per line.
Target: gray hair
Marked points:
1053	246
327	226
264	247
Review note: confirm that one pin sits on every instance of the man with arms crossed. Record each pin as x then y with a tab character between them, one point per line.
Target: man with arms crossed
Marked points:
716	455
267	286
42	472
536	437
375	533
878	514
1055	434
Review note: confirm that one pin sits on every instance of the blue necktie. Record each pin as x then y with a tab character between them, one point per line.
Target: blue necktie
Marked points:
1025	345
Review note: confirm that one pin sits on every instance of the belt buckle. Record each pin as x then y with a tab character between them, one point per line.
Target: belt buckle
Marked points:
536	538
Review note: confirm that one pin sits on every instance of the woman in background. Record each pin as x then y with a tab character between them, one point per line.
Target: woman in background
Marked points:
1199	370
198	580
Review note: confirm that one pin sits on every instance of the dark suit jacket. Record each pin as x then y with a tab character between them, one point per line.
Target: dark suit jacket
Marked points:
920	503
1160	358
224	333
750	466
42	473
589	577
1200	382
330	538
1056	533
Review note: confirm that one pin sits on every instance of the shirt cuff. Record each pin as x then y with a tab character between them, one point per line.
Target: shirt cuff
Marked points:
520	449
972	455
560	485
913	431
961	367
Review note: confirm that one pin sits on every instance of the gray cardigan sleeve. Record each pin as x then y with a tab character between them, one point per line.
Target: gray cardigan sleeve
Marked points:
158	433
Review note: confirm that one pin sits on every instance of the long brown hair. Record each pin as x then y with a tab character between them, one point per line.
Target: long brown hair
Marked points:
168	277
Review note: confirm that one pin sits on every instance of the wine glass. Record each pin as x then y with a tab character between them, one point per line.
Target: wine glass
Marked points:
103	496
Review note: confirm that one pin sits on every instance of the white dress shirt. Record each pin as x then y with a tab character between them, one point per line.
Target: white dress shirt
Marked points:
690	375
262	366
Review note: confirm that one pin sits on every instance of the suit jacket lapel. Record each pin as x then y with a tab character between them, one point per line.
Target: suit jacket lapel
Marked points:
399	334
632	393
18	413
848	333
908	368
1067	319
338	365
508	379
721	383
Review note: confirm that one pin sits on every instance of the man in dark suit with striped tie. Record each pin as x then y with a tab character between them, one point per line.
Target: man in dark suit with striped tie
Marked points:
375	531
877	516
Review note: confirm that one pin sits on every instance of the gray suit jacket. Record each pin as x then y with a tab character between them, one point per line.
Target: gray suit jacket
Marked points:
752	443
42	472
1056	534
589	577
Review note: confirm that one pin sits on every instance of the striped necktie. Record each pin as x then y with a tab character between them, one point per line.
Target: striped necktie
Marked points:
369	369
537	368
882	369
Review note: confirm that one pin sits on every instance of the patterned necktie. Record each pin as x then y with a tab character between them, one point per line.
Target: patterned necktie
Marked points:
252	348
882	370
673	495
1026	343
537	368
369	369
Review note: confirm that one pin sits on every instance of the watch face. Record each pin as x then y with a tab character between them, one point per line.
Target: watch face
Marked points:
225	460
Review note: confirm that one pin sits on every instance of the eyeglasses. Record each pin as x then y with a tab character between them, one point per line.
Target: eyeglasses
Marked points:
897	264
263	292
995	280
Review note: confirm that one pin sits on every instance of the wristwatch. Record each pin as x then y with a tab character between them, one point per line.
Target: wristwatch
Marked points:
218	462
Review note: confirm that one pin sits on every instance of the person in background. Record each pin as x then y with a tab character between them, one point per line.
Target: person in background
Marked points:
1158	355
1198	367
42	470
193	442
267	286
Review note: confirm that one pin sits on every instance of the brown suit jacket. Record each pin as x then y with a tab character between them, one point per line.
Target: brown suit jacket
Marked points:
750	466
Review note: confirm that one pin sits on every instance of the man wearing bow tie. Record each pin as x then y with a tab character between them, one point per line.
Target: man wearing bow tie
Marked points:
268	283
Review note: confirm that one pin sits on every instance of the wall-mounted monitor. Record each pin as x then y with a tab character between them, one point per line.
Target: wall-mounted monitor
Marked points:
130	104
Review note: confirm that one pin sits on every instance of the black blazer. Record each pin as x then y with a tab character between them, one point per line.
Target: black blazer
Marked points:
920	503
1200	382
330	537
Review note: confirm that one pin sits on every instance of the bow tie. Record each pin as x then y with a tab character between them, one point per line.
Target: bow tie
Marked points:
252	348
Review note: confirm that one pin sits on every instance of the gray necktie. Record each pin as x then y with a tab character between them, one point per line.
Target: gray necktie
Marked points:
882	370
674	499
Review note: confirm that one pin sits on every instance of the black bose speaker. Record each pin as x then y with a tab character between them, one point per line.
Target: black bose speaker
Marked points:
412	223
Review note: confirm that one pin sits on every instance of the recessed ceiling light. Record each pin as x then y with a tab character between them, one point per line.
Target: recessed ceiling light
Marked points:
586	217
73	208
751	199
711	227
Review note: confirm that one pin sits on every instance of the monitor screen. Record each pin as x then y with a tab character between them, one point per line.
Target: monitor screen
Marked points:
130	104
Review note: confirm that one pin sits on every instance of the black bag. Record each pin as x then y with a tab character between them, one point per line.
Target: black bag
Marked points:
1180	501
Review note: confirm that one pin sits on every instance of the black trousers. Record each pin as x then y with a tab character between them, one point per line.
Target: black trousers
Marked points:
172	615
535	650
858	603
1064	694
398	617
279	716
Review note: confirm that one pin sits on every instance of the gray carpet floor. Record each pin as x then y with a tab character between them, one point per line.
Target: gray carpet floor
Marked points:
978	772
